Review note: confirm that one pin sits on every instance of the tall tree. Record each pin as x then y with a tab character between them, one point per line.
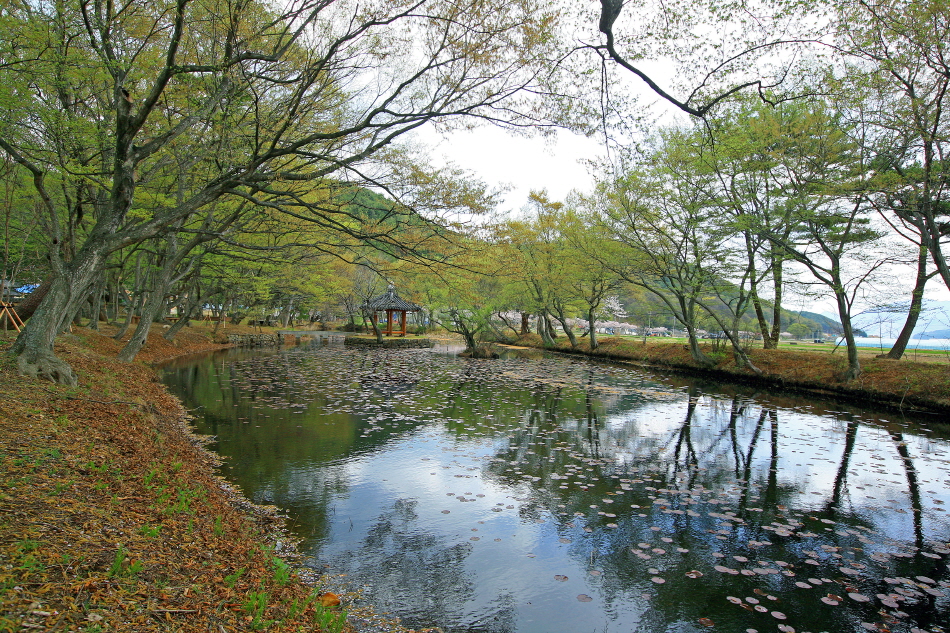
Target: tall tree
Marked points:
665	224
894	81
897	71
594	258
832	236
541	265
752	150
270	98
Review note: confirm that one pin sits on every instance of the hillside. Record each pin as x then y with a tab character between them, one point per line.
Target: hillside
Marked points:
829	325
648	309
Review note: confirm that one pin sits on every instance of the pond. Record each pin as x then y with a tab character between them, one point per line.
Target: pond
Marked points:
557	495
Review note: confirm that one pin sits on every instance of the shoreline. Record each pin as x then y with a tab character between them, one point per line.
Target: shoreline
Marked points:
921	388
118	520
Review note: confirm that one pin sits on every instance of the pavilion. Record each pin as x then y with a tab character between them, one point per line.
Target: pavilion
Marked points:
395	308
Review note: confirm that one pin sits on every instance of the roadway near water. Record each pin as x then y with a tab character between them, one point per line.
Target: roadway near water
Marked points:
554	495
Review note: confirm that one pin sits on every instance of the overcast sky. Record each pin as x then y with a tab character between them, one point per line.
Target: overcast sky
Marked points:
499	158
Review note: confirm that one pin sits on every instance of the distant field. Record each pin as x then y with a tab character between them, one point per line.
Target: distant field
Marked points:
924	355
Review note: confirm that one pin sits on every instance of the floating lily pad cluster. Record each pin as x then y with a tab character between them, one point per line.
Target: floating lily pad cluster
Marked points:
660	504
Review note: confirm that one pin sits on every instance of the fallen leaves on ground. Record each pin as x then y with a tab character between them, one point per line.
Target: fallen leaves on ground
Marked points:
112	518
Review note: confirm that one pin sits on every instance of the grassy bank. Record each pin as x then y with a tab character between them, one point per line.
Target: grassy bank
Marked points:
112	518
904	384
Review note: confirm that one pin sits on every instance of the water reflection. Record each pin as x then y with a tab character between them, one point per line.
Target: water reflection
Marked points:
554	495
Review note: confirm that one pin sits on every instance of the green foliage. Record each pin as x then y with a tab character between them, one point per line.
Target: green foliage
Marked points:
219	147
184	496
255	604
282	571
123	566
151	475
150	531
326	619
231	579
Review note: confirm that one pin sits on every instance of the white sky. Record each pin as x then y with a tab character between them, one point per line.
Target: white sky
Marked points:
501	158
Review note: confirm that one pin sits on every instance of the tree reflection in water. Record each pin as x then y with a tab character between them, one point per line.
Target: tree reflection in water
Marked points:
489	496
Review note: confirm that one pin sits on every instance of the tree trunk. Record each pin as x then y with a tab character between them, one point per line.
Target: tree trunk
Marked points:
777	283
286	313
153	304
97	304
593	331
770	335
549	324
222	315
134	299
694	350
916	302
34	346
133	310
741	357
844	313
184	317
28	306
378	332
687	318
525	323
68	290
467	333
544	329
732	333
559	315
760	316
112	303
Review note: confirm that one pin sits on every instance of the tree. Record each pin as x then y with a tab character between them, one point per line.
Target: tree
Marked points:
892	209
831	231
799	330
542	264
896	81
267	99
752	150
594	261
467	297
22	255
175	262
664	224
741	57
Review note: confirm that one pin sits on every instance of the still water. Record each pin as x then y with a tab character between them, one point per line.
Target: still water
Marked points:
553	495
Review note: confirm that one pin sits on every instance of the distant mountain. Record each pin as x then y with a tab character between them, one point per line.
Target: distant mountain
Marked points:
829	325
935	334
887	321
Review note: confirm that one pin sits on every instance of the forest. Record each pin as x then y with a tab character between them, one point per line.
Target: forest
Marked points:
162	160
